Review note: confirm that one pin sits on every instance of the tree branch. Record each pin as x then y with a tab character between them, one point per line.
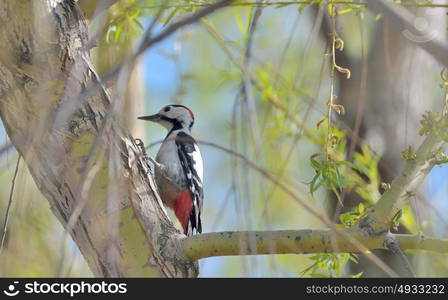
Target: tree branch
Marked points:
404	187
299	242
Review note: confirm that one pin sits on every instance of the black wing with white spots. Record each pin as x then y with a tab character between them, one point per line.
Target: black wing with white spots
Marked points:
191	161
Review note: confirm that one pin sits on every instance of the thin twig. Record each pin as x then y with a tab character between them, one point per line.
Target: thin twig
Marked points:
5	224
248	98
300	133
249	110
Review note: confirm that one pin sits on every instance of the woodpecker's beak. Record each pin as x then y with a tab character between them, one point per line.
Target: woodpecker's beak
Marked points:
152	118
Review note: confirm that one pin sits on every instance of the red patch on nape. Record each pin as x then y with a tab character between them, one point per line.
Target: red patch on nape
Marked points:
182	208
183	106
190	112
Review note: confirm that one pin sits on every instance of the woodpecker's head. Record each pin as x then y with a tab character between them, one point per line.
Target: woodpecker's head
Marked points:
172	117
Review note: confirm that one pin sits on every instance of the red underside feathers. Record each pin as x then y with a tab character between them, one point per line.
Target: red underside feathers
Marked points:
182	208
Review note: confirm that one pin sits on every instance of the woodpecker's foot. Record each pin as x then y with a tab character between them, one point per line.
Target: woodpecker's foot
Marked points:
156	164
140	144
145	156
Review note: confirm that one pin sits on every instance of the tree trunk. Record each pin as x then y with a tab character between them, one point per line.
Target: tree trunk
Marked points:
89	168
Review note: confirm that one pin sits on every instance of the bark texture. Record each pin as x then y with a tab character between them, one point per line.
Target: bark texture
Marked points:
90	168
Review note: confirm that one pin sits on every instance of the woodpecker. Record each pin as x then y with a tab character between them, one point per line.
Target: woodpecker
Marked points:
178	171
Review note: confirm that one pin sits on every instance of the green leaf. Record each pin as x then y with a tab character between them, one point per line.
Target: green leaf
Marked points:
171	15
316	165
117	32
345	11
336	192
361	208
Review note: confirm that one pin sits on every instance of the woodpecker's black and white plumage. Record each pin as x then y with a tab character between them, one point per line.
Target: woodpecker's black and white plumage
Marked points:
179	171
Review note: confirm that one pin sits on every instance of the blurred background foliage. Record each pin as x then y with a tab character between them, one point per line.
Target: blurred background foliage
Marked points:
269	103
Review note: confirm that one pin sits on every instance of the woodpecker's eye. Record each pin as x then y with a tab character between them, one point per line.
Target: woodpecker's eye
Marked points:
166	109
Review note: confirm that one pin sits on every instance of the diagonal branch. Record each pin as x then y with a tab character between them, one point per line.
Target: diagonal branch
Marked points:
403	187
